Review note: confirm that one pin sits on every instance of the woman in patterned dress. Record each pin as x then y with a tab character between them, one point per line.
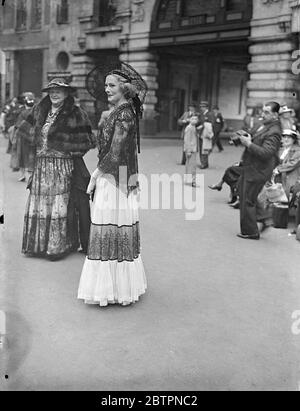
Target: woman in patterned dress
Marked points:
60	130
113	271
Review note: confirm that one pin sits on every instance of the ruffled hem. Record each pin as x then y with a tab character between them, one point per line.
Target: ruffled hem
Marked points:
112	282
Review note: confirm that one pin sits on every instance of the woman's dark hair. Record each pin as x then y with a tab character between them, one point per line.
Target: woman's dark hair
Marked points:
275	107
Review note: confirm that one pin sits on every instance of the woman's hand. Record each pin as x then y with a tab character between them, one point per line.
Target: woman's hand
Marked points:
92	183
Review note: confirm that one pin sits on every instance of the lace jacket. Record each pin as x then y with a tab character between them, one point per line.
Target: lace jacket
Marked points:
118	148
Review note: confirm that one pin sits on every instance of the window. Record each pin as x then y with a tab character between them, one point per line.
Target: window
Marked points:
21	15
106	12
47	12
235	5
62	61
62	16
9	15
200	8
36	14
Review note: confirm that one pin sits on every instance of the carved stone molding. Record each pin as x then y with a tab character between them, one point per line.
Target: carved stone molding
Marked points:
268	2
138	12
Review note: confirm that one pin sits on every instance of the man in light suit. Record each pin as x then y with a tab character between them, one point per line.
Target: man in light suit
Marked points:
205	117
258	162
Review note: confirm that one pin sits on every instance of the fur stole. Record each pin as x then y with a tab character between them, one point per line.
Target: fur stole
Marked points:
71	130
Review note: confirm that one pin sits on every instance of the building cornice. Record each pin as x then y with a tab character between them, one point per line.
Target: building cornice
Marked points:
105	29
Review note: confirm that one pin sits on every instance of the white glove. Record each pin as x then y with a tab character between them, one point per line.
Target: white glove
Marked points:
92	183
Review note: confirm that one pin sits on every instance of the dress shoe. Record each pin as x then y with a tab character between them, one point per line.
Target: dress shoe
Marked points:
216	187
56	257
249	237
235	205
233	200
22	179
203	167
82	251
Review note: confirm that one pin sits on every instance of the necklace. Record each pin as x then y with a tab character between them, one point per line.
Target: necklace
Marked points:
51	115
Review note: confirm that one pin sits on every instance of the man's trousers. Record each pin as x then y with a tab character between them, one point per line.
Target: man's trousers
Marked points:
251	210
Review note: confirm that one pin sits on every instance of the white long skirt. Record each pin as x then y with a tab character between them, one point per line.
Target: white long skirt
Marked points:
113	271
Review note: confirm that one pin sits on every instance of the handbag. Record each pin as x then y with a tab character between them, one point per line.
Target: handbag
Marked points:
274	193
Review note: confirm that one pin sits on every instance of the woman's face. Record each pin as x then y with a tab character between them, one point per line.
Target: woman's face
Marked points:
287	115
287	141
57	96
113	90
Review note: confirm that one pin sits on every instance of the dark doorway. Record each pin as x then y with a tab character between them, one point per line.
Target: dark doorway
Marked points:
30	71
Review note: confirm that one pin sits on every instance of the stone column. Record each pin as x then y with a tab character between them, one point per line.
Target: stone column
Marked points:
2	76
145	64
271	76
81	66
270	70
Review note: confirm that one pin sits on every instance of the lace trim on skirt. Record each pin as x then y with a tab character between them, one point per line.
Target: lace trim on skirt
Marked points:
111	242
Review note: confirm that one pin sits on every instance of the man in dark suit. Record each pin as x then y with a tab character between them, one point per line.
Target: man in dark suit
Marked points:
79	207
258	162
218	125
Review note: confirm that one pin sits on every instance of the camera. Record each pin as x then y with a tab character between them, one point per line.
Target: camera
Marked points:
235	138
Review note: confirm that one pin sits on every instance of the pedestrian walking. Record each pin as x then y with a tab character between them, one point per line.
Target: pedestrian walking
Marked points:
190	149
258	162
60	129
206	135
24	146
15	108
218	125
113	271
183	122
252	120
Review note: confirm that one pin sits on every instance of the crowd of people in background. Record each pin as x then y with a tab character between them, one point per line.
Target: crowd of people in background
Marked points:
270	164
201	131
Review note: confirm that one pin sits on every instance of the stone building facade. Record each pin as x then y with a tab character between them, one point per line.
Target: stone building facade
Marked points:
233	53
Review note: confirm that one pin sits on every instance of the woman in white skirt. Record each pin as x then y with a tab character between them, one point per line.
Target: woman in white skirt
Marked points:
113	272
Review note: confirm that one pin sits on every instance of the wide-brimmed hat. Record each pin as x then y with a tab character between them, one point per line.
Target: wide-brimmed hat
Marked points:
204	104
285	109
58	82
291	133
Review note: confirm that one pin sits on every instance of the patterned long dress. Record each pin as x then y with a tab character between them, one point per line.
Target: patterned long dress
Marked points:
113	271
47	228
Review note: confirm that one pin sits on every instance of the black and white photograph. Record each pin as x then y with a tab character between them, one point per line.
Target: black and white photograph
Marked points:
149	198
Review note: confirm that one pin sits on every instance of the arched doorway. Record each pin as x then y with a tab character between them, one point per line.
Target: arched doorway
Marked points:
203	55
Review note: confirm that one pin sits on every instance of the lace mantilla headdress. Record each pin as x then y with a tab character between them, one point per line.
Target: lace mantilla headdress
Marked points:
95	84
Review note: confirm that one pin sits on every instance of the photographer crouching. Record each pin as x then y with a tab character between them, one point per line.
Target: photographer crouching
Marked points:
258	162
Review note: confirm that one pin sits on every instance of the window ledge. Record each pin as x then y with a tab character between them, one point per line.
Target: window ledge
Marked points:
104	29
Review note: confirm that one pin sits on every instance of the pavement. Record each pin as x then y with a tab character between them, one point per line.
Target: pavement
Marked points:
217	314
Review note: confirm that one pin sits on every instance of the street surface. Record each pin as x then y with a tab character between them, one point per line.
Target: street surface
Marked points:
217	314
